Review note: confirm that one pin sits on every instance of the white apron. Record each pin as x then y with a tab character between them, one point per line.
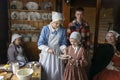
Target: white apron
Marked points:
20	57
52	66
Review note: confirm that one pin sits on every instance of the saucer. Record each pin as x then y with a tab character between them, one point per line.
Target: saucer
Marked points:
64	56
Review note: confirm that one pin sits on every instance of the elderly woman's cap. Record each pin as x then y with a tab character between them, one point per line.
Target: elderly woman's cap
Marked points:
114	33
15	36
75	35
56	16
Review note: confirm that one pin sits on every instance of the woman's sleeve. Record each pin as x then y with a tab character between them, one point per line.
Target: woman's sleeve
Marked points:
63	41
83	60
42	41
11	54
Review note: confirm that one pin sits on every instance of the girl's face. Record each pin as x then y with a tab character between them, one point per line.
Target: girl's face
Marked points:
56	24
110	38
79	15
74	42
18	41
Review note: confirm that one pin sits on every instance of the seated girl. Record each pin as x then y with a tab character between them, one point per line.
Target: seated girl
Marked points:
15	50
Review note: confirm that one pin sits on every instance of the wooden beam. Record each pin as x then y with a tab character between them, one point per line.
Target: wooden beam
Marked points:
98	7
66	12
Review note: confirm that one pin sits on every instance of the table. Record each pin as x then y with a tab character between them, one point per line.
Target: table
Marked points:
8	75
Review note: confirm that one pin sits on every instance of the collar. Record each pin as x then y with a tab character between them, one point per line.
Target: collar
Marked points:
51	28
77	47
75	21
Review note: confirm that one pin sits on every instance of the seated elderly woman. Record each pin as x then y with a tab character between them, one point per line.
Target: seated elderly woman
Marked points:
106	60
15	50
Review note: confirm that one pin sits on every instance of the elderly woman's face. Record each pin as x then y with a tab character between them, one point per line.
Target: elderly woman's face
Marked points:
17	41
56	24
110	38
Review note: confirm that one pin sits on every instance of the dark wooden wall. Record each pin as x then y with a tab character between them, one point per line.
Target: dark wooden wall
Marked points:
3	31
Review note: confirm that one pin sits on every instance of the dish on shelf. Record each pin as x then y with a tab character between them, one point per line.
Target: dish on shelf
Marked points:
23	16
32	6
15	15
26	38
34	16
49	16
46	5
34	38
15	4
44	16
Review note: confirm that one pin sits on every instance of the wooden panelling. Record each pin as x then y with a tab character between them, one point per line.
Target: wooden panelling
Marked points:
66	12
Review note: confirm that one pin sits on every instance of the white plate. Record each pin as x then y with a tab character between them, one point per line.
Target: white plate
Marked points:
34	16
64	56
46	5
15	15
49	16
32	6
23	15
32	62
15	4
44	16
37	15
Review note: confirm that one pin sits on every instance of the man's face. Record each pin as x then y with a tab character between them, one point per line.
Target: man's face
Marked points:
79	14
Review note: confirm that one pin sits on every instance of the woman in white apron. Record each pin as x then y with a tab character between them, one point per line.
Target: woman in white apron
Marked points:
52	43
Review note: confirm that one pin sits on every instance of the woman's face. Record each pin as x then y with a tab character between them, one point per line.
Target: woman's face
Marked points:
17	41
56	24
79	15
74	42
110	38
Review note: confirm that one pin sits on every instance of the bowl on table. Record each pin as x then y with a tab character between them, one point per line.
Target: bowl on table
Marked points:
24	74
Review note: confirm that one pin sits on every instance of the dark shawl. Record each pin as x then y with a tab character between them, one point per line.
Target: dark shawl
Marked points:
101	58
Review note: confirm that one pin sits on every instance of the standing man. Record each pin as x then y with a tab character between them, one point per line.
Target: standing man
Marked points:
81	26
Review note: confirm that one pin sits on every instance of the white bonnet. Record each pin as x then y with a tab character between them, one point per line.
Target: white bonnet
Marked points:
75	35
114	33
15	36
57	16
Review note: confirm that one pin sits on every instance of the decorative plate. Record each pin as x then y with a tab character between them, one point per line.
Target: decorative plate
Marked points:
37	15
32	6
46	5
49	16
15	4
23	15
34	15
44	16
15	15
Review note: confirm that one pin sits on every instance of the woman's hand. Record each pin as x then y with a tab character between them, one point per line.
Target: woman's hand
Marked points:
64	51
51	51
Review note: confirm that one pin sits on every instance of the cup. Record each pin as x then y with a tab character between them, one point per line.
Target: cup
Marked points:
15	67
1	77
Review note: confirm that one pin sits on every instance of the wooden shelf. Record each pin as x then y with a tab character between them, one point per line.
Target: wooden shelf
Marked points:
30	48
22	10
29	20
25	31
